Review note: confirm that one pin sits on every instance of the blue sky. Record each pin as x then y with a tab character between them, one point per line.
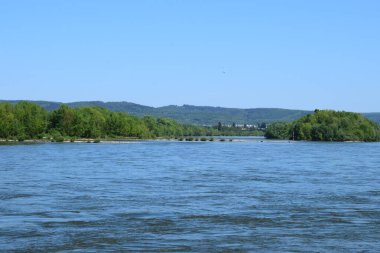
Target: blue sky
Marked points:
248	54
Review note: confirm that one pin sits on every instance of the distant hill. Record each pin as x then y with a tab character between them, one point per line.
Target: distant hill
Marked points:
199	115
375	116
212	115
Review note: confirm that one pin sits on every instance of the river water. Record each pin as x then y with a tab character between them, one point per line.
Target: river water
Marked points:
242	196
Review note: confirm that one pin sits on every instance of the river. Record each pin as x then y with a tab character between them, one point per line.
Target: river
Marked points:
248	195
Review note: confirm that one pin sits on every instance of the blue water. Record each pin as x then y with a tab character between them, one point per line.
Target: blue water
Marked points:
245	196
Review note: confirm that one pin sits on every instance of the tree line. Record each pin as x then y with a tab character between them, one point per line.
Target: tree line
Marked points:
327	125
26	120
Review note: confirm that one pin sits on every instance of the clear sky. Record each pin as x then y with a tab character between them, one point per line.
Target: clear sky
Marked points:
254	53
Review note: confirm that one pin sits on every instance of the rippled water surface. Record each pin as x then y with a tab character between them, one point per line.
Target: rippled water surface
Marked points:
166	196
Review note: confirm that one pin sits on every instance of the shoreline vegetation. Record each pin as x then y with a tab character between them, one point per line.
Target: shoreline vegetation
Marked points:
327	125
28	121
194	115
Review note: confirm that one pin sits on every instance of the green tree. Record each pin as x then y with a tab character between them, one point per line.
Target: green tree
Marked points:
7	121
30	119
278	130
327	125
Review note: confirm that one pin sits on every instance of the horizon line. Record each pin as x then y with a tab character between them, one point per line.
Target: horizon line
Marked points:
219	106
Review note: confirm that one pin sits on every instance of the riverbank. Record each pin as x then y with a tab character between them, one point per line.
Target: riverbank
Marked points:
126	140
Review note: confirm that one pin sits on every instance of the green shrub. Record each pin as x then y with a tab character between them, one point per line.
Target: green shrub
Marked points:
278	130
21	137
59	138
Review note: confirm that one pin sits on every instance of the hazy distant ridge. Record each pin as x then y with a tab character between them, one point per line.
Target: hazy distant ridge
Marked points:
201	115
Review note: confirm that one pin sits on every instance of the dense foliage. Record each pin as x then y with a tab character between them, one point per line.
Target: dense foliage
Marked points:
189	114
278	130
199	115
30	121
26	120
327	125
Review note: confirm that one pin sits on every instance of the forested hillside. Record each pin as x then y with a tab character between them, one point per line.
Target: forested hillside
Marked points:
26	120
199	115
30	121
188	114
